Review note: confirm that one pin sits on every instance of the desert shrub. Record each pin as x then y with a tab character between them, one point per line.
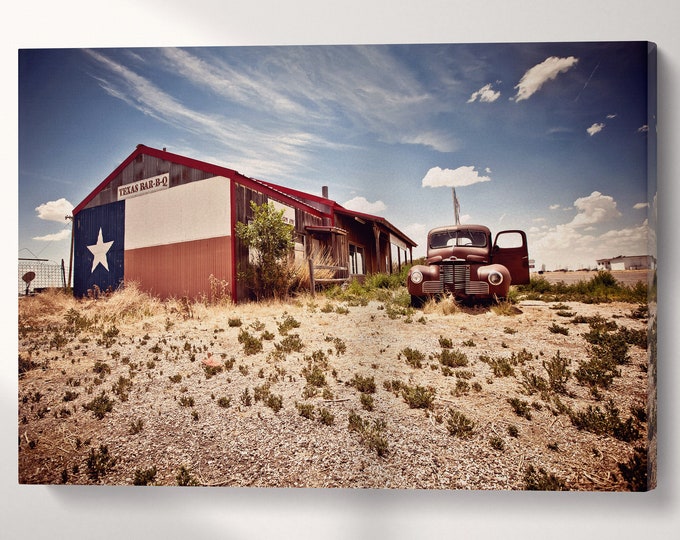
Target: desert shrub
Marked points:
338	343
452	358
251	344
306	410
459	425
187	401
314	375
418	397
372	435
609	346
558	373
100	462
326	417
211	371
136	426
363	384
520	407
224	402
185	478
122	387
26	364
462	387
100	405
274	402
532	383
367	402
394	386
246	398
290	343
445	343
70	395
634	471
144	477
413	357
501	367
541	480
287	324
101	368
557	329
605	422
497	443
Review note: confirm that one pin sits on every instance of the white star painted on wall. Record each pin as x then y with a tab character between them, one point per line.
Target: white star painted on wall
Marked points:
99	250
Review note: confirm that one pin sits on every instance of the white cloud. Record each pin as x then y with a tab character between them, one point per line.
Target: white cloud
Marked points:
462	176
640	205
643	129
360	204
55	210
595	128
554	206
55	237
611	116
485	94
595	208
532	81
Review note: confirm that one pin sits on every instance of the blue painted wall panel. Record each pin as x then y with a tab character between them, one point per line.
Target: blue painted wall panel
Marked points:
99	248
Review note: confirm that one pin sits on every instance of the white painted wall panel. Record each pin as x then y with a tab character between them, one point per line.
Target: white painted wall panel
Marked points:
193	211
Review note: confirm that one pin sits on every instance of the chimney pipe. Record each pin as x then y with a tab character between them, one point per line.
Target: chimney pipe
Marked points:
324	192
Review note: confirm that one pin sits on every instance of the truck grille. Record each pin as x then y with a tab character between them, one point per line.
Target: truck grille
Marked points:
456	278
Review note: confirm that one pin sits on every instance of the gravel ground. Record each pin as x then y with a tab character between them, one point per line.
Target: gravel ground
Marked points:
178	378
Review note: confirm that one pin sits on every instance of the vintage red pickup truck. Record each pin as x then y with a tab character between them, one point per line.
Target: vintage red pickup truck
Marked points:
463	261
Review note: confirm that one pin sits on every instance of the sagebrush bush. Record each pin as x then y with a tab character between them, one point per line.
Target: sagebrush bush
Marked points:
541	480
372	435
418	397
459	425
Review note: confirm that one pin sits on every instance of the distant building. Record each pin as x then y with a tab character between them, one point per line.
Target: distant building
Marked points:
167	222
625	262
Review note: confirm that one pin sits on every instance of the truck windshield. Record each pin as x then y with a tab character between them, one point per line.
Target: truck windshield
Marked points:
457	237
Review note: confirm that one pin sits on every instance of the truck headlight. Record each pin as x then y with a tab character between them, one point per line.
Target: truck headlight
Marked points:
495	278
416	277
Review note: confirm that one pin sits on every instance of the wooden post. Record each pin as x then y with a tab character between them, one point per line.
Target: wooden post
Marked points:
312	285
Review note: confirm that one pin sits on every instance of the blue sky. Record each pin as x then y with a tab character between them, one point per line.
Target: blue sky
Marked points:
546	137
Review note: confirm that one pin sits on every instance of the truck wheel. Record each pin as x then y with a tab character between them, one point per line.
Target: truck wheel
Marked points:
417	301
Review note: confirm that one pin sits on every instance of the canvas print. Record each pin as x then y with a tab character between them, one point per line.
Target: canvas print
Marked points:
426	266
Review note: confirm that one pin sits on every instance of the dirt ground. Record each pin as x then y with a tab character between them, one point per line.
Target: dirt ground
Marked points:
177	378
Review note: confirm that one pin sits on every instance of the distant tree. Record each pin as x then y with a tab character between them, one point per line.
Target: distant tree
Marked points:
270	240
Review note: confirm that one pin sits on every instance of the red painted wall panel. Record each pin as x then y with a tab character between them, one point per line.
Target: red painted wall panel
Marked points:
180	269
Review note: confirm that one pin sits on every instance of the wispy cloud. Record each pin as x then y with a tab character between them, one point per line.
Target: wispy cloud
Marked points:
65	234
486	94
534	78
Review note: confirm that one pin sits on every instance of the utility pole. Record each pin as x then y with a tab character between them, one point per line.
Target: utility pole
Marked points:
456	207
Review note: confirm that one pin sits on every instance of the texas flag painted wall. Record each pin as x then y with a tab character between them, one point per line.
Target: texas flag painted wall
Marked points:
171	241
99	247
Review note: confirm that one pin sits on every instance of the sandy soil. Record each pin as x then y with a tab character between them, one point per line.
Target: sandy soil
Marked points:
202	426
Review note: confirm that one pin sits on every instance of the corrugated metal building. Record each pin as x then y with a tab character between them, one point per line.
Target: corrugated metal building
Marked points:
168	223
